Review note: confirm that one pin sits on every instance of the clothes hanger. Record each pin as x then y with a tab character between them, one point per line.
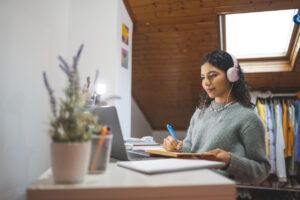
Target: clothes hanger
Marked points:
283	100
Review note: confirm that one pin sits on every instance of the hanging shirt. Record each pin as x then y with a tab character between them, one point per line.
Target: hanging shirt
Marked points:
272	157
272	108
288	133
297	146
297	116
292	171
261	112
280	161
291	137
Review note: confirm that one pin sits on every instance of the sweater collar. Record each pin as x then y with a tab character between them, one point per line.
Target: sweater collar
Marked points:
219	105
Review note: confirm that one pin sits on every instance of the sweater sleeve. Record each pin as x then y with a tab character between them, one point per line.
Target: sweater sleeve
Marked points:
187	142
254	167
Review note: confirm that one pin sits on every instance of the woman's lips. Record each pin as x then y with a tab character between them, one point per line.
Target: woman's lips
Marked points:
210	90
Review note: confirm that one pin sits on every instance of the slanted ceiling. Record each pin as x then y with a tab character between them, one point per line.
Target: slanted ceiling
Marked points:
170	38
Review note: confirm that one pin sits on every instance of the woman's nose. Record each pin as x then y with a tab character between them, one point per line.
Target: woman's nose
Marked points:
206	82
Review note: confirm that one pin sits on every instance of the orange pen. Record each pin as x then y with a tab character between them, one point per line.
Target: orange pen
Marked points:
94	164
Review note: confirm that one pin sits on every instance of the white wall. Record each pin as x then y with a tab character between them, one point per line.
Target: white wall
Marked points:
33	33
93	23
123	77
97	24
139	124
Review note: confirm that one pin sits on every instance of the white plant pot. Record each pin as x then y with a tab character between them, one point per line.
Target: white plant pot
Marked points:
70	161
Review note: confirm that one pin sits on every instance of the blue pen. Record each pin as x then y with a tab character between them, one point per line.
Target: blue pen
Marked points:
172	132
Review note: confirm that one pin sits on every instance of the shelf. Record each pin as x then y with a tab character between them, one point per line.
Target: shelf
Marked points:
268	188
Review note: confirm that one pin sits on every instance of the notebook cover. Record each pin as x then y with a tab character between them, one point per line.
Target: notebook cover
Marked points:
179	154
169	165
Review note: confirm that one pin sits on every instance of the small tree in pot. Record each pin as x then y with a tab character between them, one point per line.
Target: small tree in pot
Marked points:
71	128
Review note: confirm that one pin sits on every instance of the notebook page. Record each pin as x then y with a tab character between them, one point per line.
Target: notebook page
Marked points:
169	165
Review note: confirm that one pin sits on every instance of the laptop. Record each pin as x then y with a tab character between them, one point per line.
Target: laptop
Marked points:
108	115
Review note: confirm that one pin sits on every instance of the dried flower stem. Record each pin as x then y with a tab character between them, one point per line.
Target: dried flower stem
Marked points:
71	123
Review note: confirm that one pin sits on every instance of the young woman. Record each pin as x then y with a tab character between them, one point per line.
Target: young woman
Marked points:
225	123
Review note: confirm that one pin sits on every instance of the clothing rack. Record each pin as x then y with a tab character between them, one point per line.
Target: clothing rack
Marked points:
269	95
252	192
268	188
277	95
283	95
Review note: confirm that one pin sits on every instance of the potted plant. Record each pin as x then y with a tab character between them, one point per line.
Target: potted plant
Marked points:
71	128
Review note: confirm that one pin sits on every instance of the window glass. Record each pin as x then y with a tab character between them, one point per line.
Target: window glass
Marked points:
259	34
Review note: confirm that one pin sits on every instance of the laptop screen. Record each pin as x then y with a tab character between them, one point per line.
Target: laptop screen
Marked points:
107	115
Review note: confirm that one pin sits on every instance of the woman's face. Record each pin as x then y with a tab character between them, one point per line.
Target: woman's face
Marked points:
214	82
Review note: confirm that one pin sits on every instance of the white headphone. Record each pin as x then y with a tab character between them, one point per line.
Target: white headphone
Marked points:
233	72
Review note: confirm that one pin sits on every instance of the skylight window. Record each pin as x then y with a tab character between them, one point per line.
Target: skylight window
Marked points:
259	34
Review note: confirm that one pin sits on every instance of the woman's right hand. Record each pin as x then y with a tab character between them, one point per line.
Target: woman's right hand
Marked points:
170	144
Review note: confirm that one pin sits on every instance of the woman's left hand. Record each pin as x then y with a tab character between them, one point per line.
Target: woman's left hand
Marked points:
219	155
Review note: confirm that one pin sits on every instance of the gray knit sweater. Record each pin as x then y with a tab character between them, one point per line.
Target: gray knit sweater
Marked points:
237	130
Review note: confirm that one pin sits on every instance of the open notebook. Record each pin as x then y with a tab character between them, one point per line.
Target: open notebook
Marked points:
179	154
169	165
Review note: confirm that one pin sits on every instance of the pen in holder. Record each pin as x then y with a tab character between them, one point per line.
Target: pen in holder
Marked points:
100	153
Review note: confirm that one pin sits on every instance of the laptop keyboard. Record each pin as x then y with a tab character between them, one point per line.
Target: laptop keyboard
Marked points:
138	155
139	152
135	155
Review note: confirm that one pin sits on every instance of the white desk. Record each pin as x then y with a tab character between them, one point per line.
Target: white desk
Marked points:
120	183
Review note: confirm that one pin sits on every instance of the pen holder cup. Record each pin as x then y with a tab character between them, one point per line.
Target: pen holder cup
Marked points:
100	153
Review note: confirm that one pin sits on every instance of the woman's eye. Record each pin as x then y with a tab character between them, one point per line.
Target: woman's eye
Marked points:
213	75
202	78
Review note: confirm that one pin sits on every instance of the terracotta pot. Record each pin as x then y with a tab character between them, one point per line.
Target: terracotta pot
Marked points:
69	161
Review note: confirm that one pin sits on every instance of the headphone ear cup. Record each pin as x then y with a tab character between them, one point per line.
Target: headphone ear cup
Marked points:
233	74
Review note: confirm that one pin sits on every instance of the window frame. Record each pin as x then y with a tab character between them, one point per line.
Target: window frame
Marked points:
284	63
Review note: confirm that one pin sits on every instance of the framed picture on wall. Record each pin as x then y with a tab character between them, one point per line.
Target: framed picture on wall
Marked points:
125	34
124	58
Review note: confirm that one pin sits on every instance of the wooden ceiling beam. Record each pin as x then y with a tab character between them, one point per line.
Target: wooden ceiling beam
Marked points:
140	7
170	43
259	6
175	13
166	62
178	27
161	5
175	20
177	36
180	48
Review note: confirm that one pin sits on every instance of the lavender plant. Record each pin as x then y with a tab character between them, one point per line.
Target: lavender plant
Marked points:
70	123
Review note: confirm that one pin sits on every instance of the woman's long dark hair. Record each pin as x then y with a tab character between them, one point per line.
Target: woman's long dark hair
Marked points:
223	61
